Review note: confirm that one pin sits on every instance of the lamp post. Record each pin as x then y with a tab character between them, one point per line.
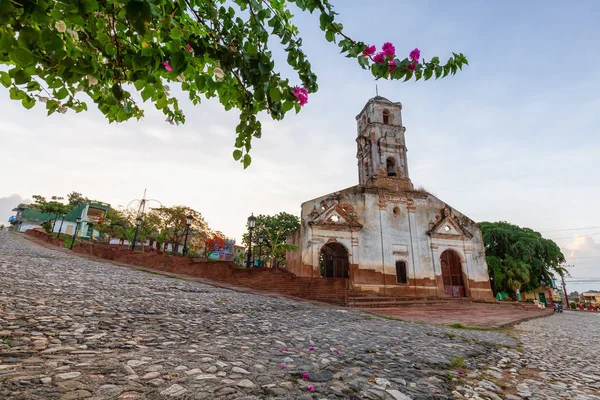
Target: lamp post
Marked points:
188	222
61	224
138	222
261	238
251	225
77	221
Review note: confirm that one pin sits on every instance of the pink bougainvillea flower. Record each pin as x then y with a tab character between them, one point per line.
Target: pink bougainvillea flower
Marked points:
415	55
305	375
311	348
336	351
388	49
369	51
301	94
167	66
189	48
282	366
460	372
310	388
412	66
392	66
379	58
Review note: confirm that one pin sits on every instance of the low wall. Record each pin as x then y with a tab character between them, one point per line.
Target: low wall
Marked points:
41	235
266	279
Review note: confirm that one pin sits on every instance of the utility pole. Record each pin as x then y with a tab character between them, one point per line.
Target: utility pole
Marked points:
564	285
565	290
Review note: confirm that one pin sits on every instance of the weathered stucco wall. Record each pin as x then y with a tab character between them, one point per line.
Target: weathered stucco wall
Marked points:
395	227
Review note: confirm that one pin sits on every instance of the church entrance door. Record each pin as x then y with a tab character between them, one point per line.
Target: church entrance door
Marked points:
334	261
452	274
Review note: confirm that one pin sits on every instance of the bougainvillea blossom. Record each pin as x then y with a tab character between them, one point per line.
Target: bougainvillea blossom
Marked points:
369	51
301	94
388	49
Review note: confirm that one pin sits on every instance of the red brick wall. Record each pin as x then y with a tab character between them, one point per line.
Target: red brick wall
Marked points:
46	237
267	279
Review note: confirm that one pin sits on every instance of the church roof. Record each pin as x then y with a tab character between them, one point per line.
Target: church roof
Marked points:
380	98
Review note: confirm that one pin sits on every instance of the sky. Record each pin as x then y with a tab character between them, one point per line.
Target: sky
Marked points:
514	137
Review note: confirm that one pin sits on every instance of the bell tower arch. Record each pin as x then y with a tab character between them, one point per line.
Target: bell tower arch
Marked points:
381	148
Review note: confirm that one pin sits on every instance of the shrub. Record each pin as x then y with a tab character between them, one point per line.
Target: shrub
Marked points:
573	305
47	226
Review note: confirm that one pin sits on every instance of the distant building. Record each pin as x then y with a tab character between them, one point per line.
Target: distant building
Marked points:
591	297
29	218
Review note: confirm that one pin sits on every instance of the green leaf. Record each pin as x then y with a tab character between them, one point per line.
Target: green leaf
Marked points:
147	92
110	49
28	102
62	93
175	34
275	94
23	57
5	79
363	62
28	37
237	154
287	106
427	74
247	160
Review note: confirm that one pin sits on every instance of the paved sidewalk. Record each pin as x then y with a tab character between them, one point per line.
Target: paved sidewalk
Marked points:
469	314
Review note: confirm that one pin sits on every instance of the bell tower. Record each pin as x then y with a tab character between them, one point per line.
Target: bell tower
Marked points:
381	148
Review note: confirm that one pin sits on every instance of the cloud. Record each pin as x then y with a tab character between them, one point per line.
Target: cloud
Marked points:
7	204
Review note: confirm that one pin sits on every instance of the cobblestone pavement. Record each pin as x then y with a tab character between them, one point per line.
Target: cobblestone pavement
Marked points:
72	328
559	358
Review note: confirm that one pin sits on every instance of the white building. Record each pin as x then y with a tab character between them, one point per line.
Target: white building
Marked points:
383	235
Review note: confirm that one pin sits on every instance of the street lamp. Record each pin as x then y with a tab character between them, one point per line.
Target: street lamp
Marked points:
251	225
77	221
138	222
261	238
61	224
188	222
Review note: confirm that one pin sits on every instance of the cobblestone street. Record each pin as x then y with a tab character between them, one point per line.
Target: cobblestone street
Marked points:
74	328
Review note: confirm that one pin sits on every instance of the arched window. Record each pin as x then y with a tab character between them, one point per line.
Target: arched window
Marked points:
391	167
366	169
401	275
386	117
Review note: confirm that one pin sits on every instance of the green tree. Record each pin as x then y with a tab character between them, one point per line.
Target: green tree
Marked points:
53	207
76	199
520	258
113	49
114	225
274	229
173	223
574	295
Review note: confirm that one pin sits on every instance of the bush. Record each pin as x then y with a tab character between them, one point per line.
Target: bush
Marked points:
573	305
47	226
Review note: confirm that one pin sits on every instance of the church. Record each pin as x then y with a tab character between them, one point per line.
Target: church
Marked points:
382	234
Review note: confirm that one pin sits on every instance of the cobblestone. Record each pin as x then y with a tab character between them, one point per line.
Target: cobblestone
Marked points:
75	328
557	359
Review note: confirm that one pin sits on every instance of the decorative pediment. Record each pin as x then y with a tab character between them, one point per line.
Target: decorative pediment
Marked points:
448	227
337	217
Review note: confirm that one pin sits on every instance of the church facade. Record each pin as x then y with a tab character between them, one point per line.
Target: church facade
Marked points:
382	234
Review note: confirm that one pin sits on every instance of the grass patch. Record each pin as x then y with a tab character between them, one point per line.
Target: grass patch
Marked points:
457	363
6	341
133	283
452	335
472	328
